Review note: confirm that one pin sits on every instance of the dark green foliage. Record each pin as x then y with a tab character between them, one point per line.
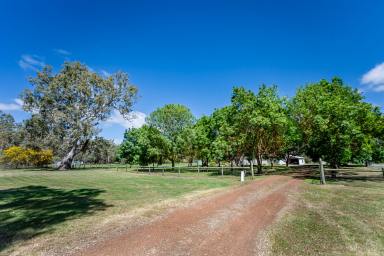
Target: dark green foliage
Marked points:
143	146
335	122
171	120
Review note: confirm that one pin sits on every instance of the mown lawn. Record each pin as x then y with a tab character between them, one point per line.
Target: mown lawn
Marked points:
56	204
344	217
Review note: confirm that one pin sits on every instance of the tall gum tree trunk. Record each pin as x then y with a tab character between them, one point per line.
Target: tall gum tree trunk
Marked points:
66	162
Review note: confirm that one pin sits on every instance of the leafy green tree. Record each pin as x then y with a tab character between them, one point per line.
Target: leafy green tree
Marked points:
9	131
73	102
204	139
226	145
292	137
171	120
259	121
186	144
334	121
143	146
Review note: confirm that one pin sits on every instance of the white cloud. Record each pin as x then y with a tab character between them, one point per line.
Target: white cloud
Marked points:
117	141
32	62
136	119
62	52
105	73
12	106
374	78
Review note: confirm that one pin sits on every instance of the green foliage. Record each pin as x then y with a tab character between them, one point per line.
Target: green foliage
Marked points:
171	120
143	146
99	151
260	121
70	104
9	131
335	122
203	139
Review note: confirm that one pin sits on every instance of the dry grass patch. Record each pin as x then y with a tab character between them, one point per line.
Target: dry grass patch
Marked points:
345	217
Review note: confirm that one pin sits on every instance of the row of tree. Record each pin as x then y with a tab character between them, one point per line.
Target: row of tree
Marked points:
328	120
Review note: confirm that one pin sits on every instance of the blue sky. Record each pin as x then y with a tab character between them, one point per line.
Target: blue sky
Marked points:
194	52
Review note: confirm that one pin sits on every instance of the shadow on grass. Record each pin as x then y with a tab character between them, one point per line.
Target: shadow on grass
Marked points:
26	212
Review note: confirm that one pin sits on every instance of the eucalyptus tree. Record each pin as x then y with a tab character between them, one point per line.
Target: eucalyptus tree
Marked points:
259	121
9	131
72	103
171	120
99	151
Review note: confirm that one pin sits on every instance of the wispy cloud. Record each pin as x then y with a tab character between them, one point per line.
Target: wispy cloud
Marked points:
105	73
32	62
374	78
17	105
117	140
62	52
136	119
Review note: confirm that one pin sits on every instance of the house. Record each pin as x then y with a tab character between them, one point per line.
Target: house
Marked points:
299	160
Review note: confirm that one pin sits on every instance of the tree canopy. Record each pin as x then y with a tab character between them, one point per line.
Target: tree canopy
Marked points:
171	120
73	102
335	122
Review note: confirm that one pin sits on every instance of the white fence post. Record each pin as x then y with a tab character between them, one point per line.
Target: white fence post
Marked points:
242	176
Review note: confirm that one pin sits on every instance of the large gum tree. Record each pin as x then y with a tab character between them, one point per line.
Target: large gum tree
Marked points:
72	103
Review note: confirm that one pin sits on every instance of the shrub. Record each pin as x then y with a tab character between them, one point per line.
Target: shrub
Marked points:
17	156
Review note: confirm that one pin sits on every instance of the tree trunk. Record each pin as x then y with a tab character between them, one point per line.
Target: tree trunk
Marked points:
66	162
322	175
259	165
287	161
173	163
252	172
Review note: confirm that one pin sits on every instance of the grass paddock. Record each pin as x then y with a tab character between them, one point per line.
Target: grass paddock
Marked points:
344	217
52	204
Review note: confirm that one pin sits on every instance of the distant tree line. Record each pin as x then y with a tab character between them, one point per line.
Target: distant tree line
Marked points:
327	120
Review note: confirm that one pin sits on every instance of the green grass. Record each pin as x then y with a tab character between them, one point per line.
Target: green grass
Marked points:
43	203
345	217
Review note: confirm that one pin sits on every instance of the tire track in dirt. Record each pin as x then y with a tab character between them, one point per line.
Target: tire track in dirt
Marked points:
224	224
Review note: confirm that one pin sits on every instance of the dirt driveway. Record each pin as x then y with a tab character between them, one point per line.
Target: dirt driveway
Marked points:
229	223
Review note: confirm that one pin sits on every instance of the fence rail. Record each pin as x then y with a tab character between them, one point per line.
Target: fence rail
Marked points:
222	170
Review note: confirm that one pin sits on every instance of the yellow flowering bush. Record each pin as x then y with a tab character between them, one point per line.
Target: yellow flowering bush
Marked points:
18	156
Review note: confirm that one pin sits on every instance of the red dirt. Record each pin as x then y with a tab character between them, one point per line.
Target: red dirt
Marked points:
225	224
